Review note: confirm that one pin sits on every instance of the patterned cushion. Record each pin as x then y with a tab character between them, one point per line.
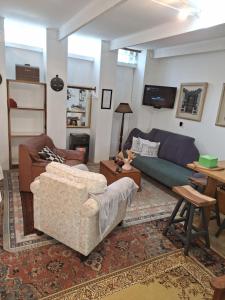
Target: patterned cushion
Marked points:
94	182
149	148
136	145
47	154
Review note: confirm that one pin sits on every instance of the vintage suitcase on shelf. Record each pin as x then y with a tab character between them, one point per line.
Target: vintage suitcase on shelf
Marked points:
27	73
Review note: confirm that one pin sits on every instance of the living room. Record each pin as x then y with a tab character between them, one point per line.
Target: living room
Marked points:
96	50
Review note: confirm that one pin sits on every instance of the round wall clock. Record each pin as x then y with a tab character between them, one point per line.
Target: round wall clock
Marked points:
0	78
57	83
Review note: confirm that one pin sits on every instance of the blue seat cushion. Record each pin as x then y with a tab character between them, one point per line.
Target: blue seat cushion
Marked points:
162	170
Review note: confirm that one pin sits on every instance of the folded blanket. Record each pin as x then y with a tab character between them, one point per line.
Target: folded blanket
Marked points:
110	201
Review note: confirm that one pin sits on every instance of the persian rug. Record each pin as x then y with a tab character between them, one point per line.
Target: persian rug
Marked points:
13	235
43	271
152	203
172	276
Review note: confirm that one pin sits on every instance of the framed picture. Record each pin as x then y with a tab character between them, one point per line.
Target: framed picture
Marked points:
220	120
106	99
191	101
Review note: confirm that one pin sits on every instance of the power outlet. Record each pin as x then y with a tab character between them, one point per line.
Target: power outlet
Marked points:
181	124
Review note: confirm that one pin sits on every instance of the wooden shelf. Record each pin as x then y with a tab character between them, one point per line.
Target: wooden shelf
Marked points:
26	82
76	112
26	108
71	126
25	134
36	123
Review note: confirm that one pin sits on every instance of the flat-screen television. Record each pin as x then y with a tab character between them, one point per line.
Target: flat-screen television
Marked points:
159	96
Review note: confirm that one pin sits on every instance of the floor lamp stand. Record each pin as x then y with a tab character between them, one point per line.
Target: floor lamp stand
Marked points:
121	133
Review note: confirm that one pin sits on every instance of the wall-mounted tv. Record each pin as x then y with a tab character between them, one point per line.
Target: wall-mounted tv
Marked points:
159	96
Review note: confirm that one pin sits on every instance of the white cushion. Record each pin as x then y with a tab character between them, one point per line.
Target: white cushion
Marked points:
149	148
136	145
94	182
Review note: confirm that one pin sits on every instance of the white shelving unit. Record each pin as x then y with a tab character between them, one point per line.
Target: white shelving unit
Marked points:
28	119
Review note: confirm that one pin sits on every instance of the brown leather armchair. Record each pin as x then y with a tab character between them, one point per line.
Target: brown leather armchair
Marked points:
30	163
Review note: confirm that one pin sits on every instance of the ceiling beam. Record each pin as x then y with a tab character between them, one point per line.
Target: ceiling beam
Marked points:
163	31
191	48
86	15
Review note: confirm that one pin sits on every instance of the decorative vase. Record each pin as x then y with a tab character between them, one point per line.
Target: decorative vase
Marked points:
127	166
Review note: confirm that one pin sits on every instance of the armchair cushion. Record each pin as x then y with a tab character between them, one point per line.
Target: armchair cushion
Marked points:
47	154
95	183
69	154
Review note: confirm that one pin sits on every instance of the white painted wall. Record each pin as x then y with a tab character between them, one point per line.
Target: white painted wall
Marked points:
17	56
4	147
80	73
207	67
55	57
104	117
123	93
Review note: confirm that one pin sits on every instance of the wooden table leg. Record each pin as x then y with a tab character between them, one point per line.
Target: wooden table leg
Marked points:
28	212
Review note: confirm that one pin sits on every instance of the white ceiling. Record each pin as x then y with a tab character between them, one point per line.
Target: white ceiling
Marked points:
120	21
49	13
127	18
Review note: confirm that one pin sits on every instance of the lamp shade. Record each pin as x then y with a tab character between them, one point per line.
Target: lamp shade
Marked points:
123	108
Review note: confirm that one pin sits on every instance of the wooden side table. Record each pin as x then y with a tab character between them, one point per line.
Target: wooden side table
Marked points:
108	169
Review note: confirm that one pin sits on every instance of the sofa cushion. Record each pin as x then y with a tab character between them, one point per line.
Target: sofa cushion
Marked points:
149	148
136	133
95	183
162	170
178	149
136	145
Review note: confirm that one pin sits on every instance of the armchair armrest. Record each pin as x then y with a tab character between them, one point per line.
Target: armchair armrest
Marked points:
70	154
89	208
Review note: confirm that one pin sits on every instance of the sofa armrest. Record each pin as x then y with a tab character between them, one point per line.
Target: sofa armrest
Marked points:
70	154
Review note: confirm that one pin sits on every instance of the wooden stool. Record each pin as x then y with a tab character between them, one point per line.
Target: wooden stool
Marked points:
199	184
218	284
194	200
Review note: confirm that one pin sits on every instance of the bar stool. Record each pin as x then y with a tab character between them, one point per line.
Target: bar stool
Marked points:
199	184
194	200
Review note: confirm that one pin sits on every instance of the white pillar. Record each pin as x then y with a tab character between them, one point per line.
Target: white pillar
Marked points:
105	75
4	143
56	64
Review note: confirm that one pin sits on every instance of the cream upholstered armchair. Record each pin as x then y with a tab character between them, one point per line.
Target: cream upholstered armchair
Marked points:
68	205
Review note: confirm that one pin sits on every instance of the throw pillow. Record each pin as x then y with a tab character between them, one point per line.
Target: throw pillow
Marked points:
47	154
149	148
136	145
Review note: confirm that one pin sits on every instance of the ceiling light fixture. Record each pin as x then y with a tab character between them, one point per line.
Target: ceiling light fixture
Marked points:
183	13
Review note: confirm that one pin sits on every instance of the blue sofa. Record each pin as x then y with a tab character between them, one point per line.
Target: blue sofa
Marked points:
175	152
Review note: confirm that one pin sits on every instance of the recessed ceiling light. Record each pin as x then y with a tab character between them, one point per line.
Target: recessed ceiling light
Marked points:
184	13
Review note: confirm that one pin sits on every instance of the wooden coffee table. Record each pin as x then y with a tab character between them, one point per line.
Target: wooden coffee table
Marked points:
108	169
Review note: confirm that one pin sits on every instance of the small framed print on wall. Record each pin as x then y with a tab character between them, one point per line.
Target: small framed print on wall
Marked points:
106	99
220	120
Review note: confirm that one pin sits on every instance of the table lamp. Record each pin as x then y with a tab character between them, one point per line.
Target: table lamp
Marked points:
123	108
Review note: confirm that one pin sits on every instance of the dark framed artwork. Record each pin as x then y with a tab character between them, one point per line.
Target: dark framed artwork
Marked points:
106	99
220	120
191	101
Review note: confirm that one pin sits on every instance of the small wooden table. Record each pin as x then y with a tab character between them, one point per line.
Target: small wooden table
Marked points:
108	169
214	177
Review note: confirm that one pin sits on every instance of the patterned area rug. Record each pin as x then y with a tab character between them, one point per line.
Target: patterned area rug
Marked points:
152	203
172	276
39	272
13	235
